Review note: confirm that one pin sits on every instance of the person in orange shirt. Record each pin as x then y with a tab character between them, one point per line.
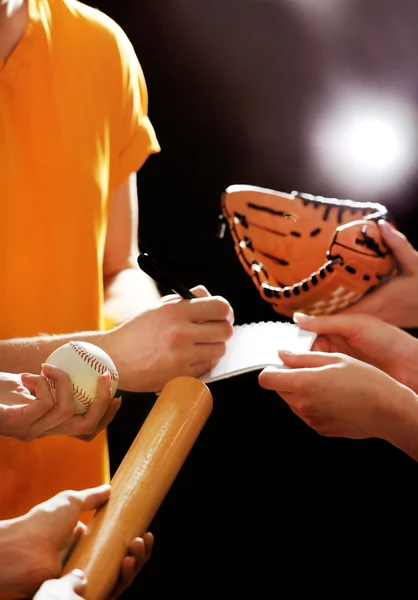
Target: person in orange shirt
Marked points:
74	131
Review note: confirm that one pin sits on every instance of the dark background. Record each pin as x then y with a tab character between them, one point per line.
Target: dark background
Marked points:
263	504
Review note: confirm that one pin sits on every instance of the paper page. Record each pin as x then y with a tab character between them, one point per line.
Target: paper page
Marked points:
254	346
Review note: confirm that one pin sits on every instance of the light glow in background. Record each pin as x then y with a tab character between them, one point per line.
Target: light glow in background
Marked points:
366	142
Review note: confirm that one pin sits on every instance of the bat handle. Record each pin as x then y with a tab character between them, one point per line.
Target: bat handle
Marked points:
141	482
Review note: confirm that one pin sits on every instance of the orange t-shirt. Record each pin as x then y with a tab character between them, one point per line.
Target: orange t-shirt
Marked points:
73	126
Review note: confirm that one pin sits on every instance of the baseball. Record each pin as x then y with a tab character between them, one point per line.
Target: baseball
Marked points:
84	363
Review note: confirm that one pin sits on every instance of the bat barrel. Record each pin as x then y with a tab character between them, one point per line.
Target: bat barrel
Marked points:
141	482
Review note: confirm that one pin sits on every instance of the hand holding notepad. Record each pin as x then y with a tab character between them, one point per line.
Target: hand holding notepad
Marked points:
254	346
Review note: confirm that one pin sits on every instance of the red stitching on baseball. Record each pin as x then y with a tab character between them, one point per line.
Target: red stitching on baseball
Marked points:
93	362
82	396
78	393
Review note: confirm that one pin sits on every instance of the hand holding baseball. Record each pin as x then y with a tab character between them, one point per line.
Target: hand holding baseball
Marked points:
29	409
62	420
79	388
84	363
19	407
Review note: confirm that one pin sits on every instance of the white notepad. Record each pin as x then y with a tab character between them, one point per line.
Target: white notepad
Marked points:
254	346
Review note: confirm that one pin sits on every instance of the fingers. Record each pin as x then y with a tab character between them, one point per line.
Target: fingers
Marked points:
204	307
212	308
104	407
196	334
149	544
103	423
109	414
308	360
200	291
300	373
91	498
79	530
88	422
85	427
208	352
211	332
358	335
100	413
72	585
340	324
139	552
404	252
70	504
198	369
128	572
275	380
62	406
30	381
140	549
63	386
76	580
37	407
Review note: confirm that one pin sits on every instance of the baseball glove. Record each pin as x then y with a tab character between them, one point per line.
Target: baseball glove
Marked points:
307	253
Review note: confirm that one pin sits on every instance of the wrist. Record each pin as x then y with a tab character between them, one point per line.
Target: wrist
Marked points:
398	422
12	560
24	563
409	375
108	342
404	367
111	344
137	371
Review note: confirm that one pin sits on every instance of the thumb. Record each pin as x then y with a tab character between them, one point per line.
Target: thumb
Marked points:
308	360
299	371
93	498
76	580
54	374
404	252
200	291
30	381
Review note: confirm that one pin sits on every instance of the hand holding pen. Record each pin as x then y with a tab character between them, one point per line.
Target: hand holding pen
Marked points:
171	338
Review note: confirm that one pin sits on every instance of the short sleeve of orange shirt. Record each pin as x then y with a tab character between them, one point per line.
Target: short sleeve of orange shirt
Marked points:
134	136
124	91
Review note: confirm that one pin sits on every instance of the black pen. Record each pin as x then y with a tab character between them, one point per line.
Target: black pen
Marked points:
164	279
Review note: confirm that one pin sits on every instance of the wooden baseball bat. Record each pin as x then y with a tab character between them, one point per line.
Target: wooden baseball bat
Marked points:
141	482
